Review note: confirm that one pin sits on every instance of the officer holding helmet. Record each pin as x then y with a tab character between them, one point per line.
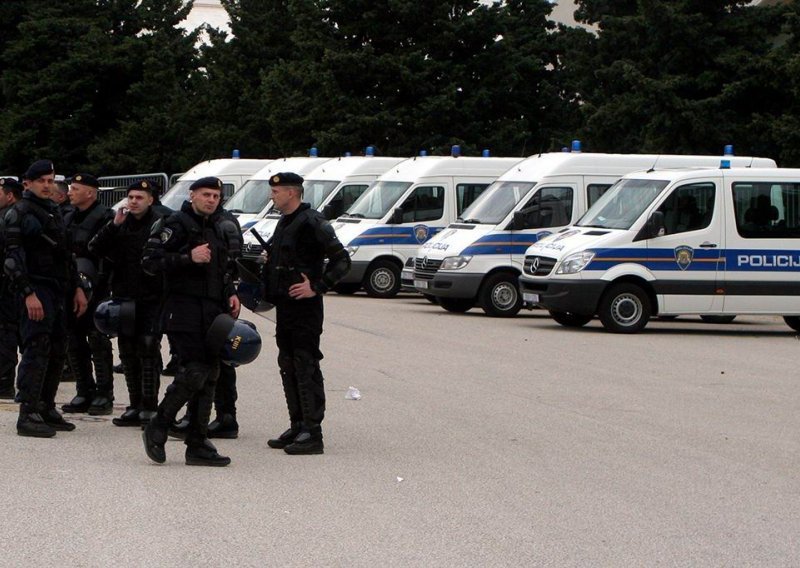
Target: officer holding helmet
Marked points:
10	193
295	277
88	348
122	242
194	248
42	273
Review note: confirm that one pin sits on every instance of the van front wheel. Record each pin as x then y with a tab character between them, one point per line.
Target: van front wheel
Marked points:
499	296
568	319
624	308
382	279
457	305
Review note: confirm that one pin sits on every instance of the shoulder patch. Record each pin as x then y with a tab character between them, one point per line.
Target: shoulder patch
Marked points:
166	234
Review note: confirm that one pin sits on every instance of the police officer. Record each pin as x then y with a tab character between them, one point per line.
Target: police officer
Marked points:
194	248
95	391
43	274
296	276
10	193
122	242
61	197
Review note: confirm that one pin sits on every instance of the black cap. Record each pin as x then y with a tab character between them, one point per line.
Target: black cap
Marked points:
85	179
286	178
144	185
38	169
11	185
209	182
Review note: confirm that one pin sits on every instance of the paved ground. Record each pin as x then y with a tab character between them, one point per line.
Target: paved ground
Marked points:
478	442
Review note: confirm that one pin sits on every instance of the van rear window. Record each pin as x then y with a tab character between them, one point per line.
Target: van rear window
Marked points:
767	210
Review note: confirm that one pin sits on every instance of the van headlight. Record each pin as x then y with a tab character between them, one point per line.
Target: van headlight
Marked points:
351	250
455	262
575	262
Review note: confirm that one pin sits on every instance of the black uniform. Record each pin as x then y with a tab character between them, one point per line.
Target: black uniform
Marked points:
37	261
9	327
301	242
95	391
140	353
196	295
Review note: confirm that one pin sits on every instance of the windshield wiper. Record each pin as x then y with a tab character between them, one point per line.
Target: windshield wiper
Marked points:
356	215
235	211
594	226
471	221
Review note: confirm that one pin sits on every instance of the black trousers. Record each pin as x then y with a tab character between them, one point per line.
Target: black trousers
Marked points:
9	338
89	350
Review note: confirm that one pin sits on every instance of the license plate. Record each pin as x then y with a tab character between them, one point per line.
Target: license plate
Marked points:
530	298
421	284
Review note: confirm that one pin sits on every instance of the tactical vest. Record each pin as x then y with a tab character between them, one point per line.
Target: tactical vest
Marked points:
285	267
83	232
47	256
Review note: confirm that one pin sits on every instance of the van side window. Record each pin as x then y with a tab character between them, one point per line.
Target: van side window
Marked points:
549	207
689	208
426	203
595	191
346	196
466	193
767	210
227	190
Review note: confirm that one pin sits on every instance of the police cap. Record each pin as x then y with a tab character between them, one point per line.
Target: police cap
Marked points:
11	185
144	185
209	182
38	169
286	178
85	179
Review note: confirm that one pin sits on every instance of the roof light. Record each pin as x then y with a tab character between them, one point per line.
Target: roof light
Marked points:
728	150
347	154
370	151
725	164
486	153
576	145
312	152
455	151
423	152
235	154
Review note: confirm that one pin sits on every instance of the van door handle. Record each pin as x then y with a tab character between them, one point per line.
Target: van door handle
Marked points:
707	245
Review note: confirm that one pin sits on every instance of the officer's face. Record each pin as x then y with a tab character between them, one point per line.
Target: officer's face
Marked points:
81	195
283	197
42	187
5	198
139	202
205	200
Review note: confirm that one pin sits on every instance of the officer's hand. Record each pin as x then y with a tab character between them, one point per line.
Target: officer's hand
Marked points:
119	216
79	302
201	254
302	289
235	305
34	307
263	257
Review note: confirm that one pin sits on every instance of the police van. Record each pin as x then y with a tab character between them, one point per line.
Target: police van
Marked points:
331	187
478	259
255	195
715	243
403	209
233	172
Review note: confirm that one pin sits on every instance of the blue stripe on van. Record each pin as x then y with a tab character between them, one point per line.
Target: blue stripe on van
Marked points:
503	243
731	260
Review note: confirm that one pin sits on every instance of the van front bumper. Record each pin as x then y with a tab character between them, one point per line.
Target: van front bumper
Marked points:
356	274
450	285
574	296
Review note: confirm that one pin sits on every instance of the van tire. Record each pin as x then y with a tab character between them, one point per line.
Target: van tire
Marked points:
793	322
382	279
457	305
568	319
718	319
347	289
499	295
624	308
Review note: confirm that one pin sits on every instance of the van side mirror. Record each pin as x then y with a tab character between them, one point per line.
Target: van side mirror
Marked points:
654	227
519	221
327	212
397	217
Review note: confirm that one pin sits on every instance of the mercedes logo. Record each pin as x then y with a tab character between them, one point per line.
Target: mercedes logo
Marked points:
535	264
425	261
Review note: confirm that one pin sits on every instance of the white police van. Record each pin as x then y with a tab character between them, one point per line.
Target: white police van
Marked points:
478	259
233	172
255	195
715	243
404	208
331	187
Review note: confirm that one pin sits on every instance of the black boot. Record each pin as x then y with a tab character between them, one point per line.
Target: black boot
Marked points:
225	426
118	369
102	405
171	368
129	418
78	405
286	438
53	418
34	426
305	444
154	437
180	428
145	417
205	454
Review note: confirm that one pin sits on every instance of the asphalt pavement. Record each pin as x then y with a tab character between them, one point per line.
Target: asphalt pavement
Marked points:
477	442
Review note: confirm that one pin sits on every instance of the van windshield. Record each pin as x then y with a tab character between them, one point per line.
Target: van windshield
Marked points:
494	204
315	192
622	204
176	195
251	198
377	200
